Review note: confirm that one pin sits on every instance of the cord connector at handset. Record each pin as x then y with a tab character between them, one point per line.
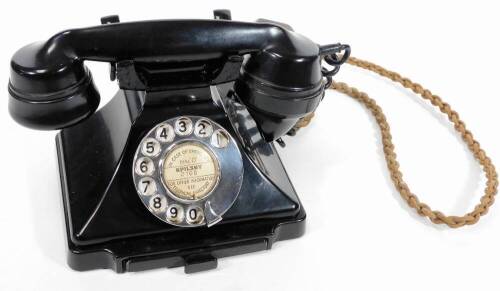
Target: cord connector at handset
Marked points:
334	55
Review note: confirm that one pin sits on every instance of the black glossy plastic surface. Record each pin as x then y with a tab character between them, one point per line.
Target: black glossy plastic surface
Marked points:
54	65
280	79
57	111
107	225
165	69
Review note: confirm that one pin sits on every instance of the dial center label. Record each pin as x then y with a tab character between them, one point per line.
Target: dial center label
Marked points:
190	171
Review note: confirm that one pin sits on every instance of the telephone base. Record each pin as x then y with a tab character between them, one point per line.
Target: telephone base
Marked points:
107	225
125	255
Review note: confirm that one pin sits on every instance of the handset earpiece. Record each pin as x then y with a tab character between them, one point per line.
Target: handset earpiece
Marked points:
48	91
282	83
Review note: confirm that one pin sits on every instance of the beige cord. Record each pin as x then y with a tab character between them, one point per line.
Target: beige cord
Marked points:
390	156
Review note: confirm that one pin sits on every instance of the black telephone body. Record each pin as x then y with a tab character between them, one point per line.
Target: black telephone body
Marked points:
179	168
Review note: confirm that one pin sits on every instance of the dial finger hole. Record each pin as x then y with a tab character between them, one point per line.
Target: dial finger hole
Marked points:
150	147
219	139
194	215
203	128
147	186
144	166
158	203
175	213
183	126
165	133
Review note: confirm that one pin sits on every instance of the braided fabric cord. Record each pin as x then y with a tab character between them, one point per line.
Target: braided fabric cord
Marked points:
390	156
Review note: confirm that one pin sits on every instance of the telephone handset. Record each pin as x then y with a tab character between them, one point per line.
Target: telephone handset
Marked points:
280	80
179	168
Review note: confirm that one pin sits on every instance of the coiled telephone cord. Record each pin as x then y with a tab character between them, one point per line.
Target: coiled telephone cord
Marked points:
423	209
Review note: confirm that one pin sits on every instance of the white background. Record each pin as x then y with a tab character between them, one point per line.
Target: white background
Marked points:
360	235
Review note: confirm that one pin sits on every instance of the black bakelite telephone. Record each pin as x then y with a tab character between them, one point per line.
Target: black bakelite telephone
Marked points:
179	168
